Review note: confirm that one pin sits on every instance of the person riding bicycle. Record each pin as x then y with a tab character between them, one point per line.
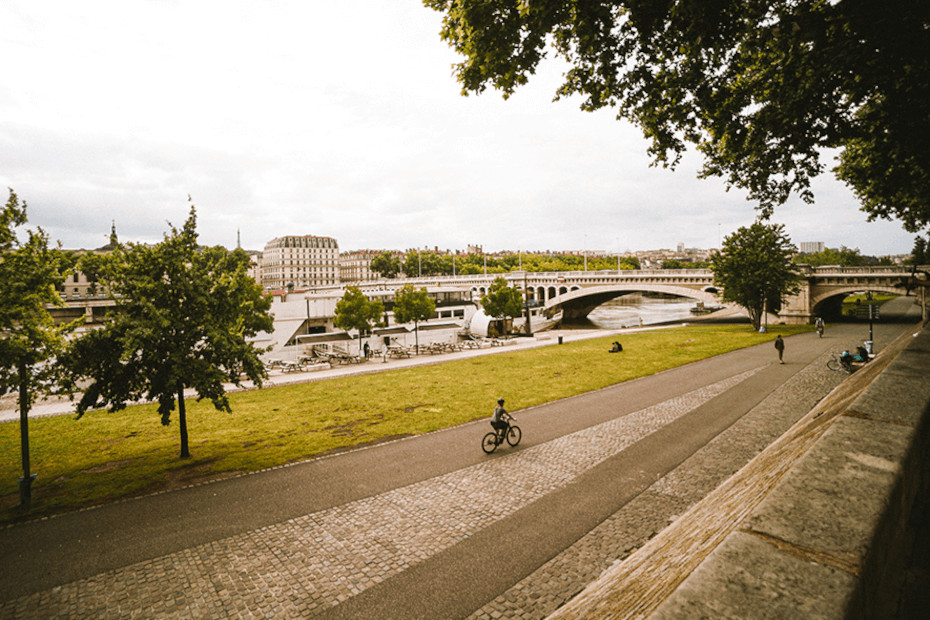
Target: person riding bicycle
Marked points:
819	325
500	419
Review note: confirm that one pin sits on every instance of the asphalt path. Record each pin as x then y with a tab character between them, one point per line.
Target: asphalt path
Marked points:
43	554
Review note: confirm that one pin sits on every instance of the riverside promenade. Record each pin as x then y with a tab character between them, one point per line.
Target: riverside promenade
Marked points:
430	527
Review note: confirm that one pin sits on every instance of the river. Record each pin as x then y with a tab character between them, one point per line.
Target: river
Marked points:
629	310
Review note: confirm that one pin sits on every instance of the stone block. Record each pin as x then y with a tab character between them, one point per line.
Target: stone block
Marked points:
748	577
834	499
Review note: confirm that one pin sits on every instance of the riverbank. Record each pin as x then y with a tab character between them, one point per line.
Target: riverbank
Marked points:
111	455
62	405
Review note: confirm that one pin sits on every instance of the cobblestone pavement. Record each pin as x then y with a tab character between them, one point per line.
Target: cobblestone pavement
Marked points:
555	583
312	563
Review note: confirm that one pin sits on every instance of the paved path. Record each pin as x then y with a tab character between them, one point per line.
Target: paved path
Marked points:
429	526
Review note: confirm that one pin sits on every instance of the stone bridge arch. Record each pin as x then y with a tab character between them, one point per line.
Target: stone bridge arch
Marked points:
826	301
579	301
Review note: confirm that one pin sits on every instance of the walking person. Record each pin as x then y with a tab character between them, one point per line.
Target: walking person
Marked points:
780	347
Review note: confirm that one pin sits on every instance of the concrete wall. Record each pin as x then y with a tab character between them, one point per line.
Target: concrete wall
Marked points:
832	537
831	540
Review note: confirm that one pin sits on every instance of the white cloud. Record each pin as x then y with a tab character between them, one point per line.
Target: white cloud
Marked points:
338	119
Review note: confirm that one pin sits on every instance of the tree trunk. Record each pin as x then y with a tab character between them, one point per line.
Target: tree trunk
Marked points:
25	483
182	422
416	335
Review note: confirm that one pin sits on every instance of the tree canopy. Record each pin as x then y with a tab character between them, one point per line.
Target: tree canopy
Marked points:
502	300
355	311
762	88
754	269
412	304
430	263
386	264
920	254
30	341
844	257
184	318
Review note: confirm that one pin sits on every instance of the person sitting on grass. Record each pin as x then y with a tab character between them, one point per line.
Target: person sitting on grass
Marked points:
616	347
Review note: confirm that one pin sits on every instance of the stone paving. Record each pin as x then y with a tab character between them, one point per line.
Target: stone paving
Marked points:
312	563
560	579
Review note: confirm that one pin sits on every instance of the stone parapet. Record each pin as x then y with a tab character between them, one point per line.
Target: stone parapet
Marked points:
825	536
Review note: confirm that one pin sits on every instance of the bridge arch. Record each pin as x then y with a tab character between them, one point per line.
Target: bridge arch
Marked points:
578	302
827	301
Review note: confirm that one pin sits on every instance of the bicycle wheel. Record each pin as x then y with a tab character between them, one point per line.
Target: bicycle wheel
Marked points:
514	435
834	365
489	443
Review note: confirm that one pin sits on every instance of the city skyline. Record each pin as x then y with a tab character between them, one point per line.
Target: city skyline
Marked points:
338	120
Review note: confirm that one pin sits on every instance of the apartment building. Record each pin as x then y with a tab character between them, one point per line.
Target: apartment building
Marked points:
356	266
300	261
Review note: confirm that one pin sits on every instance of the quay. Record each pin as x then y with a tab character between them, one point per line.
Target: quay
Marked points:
604	488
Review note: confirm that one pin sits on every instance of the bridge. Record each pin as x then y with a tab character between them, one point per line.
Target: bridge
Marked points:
576	293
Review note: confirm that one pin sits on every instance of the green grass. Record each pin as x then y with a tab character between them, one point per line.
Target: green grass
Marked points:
107	456
850	307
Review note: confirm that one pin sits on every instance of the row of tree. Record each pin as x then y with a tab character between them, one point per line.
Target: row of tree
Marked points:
844	257
356	311
429	263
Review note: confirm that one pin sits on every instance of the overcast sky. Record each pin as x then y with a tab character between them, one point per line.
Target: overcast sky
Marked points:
339	119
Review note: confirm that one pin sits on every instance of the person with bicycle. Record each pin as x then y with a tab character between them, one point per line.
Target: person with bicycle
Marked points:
504	429
500	420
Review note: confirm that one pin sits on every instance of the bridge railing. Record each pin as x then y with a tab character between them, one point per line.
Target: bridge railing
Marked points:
870	270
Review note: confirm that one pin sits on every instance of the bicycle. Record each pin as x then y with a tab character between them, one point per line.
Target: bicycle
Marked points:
511	435
847	362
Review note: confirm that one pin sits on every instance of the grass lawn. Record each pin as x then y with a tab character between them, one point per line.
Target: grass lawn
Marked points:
852	303
107	456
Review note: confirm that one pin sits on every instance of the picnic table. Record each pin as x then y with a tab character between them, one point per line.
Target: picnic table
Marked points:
397	351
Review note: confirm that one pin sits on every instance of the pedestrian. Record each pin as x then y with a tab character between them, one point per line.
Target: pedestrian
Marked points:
780	347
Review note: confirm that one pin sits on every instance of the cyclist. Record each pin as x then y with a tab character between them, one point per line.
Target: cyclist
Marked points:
819	325
500	419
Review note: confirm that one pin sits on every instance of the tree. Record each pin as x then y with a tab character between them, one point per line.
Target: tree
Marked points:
502	300
184	318
355	311
30	275
754	269
762	88
844	257
411	304
386	264
920	255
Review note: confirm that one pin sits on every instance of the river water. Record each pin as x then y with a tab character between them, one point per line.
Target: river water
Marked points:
636	309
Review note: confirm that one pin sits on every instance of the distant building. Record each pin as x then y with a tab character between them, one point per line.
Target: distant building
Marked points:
355	266
811	247
300	262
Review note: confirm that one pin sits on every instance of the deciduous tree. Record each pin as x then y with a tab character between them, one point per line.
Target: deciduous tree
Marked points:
30	341
754	269
502	300
355	311
185	317
761	87
386	264
412	304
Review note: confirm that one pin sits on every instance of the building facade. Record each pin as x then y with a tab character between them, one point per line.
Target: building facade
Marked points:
811	247
356	266
300	262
